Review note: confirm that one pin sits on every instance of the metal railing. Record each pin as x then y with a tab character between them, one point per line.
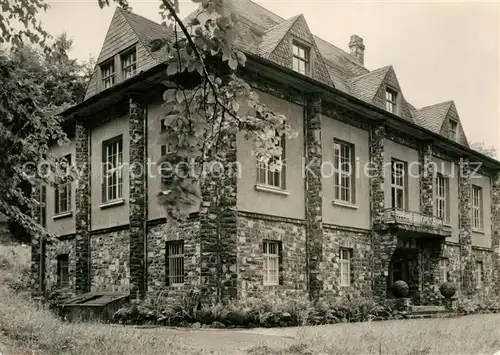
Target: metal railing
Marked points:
394	215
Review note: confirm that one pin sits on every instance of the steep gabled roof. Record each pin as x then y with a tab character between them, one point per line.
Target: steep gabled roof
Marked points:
273	37
365	86
432	117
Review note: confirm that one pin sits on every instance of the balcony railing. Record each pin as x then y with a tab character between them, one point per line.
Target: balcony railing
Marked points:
397	216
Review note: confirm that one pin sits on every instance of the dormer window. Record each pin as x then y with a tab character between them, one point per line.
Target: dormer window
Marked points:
129	66
300	62
108	74
391	97
453	129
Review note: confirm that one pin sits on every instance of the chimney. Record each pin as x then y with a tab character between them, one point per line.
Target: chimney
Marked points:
357	48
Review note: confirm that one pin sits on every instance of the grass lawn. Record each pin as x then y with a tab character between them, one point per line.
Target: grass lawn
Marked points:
26	328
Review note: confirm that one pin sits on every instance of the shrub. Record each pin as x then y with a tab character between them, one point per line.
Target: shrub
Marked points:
448	289
400	289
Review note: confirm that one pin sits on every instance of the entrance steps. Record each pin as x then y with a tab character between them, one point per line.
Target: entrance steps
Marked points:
420	312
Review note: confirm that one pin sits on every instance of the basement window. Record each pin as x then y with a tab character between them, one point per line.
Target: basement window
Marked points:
175	263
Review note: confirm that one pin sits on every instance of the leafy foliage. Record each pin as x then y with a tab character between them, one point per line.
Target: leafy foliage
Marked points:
256	312
24	12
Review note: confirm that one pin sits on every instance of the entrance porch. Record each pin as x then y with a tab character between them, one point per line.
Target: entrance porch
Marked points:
409	247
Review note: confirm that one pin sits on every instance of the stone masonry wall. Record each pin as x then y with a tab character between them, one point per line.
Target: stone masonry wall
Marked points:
360	244
465	224
314	199
137	199
82	209
426	179
157	238
252	231
495	230
53	250
483	256
110	261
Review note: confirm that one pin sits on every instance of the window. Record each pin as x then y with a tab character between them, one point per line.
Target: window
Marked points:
112	169
275	178
443	270
63	270
453	129
129	63
43	208
271	253
391	100
479	274
344	171
300	62
477	207
442	193
63	191
165	168
398	184
345	266
175	263
108	74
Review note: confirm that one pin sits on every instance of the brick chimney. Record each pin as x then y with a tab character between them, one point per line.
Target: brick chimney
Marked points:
357	48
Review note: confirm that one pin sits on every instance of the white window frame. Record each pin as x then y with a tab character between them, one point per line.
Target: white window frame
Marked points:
443	270
63	191
398	183
108	73
343	157
477	207
442	197
300	58
453	132
175	259
345	266
391	100
479	274
271	262
129	63
275	179
113	167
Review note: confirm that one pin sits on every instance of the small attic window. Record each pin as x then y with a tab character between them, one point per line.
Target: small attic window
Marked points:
391	97
108	73
300	62
129	61
453	125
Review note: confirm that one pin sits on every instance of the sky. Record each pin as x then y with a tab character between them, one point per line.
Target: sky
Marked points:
440	50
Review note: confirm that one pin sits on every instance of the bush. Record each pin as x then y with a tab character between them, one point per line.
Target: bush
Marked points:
448	289
255	312
400	289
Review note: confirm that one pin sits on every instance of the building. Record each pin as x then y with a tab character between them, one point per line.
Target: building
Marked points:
427	210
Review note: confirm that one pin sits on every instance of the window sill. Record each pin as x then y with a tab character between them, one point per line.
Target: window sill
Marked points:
344	204
271	189
270	284
62	215
113	203
476	230
345	285
447	225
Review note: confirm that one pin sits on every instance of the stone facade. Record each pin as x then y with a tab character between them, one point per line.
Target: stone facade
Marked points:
314	201
82	209
252	231
137	201
110	263
359	243
495	230
158	236
53	250
465	218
